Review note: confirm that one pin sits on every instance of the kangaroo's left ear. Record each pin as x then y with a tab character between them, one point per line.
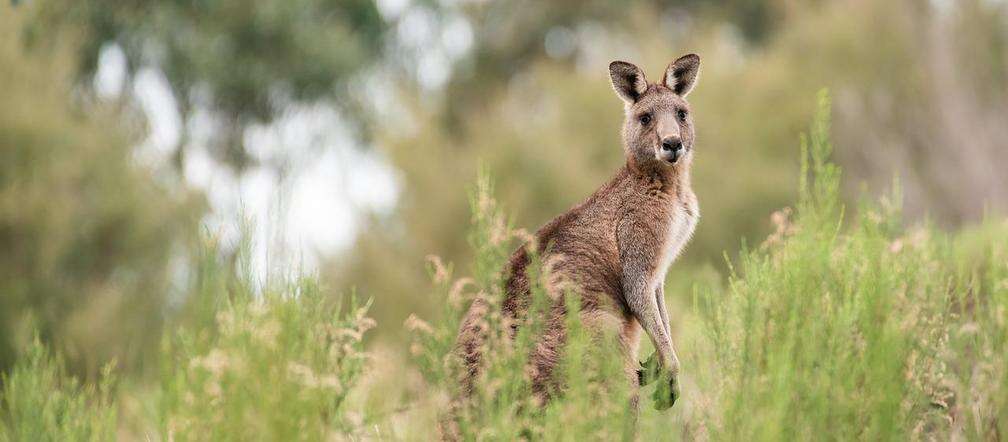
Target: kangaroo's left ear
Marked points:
681	75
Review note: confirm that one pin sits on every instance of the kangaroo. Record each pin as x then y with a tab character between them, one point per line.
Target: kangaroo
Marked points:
615	247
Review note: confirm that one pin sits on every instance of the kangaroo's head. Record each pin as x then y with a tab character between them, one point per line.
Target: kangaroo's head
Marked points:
658	124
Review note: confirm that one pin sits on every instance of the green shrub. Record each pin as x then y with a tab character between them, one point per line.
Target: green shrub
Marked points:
873	331
41	402
275	363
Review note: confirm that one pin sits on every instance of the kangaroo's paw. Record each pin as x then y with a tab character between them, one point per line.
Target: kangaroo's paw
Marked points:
666	392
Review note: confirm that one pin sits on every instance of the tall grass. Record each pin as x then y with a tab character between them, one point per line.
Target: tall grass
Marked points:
867	331
39	401
844	324
250	361
276	362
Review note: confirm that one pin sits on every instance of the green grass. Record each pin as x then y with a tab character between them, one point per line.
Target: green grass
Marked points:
275	363
845	324
41	402
866	330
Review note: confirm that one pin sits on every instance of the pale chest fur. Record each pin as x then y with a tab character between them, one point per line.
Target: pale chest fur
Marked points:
680	224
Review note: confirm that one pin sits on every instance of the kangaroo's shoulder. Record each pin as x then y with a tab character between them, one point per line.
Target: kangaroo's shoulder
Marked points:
593	215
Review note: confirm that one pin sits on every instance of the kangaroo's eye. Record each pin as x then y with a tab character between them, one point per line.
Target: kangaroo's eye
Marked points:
645	119
682	116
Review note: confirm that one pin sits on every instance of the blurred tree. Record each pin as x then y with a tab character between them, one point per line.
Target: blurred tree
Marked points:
246	62
509	37
86	238
926	103
755	20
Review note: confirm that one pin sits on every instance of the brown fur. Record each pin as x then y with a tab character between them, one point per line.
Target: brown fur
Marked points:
615	247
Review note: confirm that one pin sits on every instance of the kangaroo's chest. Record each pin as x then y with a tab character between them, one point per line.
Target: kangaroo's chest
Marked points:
679	224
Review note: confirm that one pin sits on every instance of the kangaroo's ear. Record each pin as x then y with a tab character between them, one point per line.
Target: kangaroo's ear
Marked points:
628	80
681	75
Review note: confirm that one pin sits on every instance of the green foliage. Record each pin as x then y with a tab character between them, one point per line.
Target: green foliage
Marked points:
276	362
861	335
245	61
39	401
86	236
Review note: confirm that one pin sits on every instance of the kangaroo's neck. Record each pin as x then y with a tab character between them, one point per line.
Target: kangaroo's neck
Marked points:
673	178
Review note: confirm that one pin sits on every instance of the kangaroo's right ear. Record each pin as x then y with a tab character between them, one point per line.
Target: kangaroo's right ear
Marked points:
628	80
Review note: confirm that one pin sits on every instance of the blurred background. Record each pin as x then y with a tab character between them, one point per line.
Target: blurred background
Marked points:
341	136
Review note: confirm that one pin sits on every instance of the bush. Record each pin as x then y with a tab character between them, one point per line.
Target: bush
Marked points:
271	361
41	402
275	363
878	333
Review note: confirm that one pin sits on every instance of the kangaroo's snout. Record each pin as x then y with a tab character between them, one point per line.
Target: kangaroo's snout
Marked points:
671	149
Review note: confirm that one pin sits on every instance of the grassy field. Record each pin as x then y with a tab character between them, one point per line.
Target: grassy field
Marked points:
844	324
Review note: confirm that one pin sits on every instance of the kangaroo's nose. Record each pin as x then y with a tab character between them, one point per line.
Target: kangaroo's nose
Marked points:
673	145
